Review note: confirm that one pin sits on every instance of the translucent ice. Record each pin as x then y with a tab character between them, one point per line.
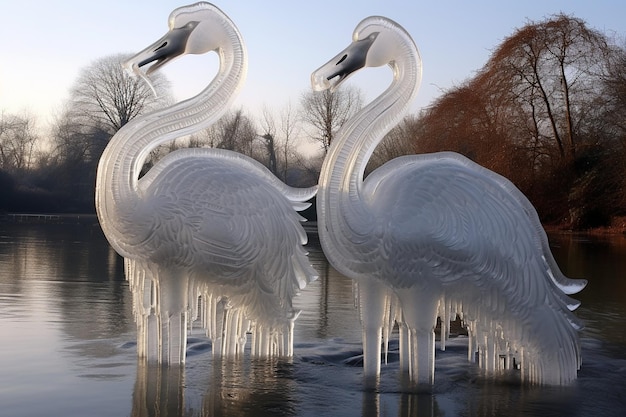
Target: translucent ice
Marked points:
202	224
437	235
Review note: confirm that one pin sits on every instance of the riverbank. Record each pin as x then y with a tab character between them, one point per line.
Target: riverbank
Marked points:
616	227
38	218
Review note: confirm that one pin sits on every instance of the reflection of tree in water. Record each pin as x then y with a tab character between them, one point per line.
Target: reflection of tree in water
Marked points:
234	388
93	294
253	387
600	259
327	304
158	391
77	272
319	263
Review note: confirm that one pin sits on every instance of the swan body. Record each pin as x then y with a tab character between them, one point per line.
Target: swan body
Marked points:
203	223
437	235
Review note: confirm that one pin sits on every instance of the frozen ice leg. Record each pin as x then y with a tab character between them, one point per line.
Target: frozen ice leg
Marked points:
420	309
172	306
372	303
423	361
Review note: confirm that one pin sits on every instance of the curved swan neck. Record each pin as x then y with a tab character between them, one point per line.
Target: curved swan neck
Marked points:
117	192
357	139
342	210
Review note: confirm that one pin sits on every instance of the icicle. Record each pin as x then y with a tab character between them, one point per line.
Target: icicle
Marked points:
405	349
444	314
290	337
388	321
472	346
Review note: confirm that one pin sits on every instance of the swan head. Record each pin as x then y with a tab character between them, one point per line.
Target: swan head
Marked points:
376	41
195	29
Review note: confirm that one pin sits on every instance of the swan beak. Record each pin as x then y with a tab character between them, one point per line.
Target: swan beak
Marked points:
338	69
170	46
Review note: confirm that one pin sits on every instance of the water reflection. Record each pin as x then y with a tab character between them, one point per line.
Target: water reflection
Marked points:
408	404
602	261
328	309
68	342
69	274
234	388
158	391
250	388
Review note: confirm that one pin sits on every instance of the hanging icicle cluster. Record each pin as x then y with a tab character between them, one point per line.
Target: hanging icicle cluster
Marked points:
535	344
163	322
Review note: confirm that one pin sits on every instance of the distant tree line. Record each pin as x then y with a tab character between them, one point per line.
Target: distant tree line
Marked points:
55	172
548	111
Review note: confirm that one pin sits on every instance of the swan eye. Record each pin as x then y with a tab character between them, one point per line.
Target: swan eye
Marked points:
343	58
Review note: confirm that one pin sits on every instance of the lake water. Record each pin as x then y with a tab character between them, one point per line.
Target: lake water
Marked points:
67	346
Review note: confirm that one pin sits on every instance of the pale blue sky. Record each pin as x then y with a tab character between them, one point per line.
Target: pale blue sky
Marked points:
45	43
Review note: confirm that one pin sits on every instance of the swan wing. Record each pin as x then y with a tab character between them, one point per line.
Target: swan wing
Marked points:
459	225
567	285
298	196
231	222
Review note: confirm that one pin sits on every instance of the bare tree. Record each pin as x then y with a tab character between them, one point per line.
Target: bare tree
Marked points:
532	100
268	136
279	132
611	124
324	112
17	141
550	71
614	90
237	132
102	100
234	131
289	128
106	97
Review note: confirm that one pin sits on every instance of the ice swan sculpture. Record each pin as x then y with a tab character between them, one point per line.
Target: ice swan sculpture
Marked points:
203	223
437	235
